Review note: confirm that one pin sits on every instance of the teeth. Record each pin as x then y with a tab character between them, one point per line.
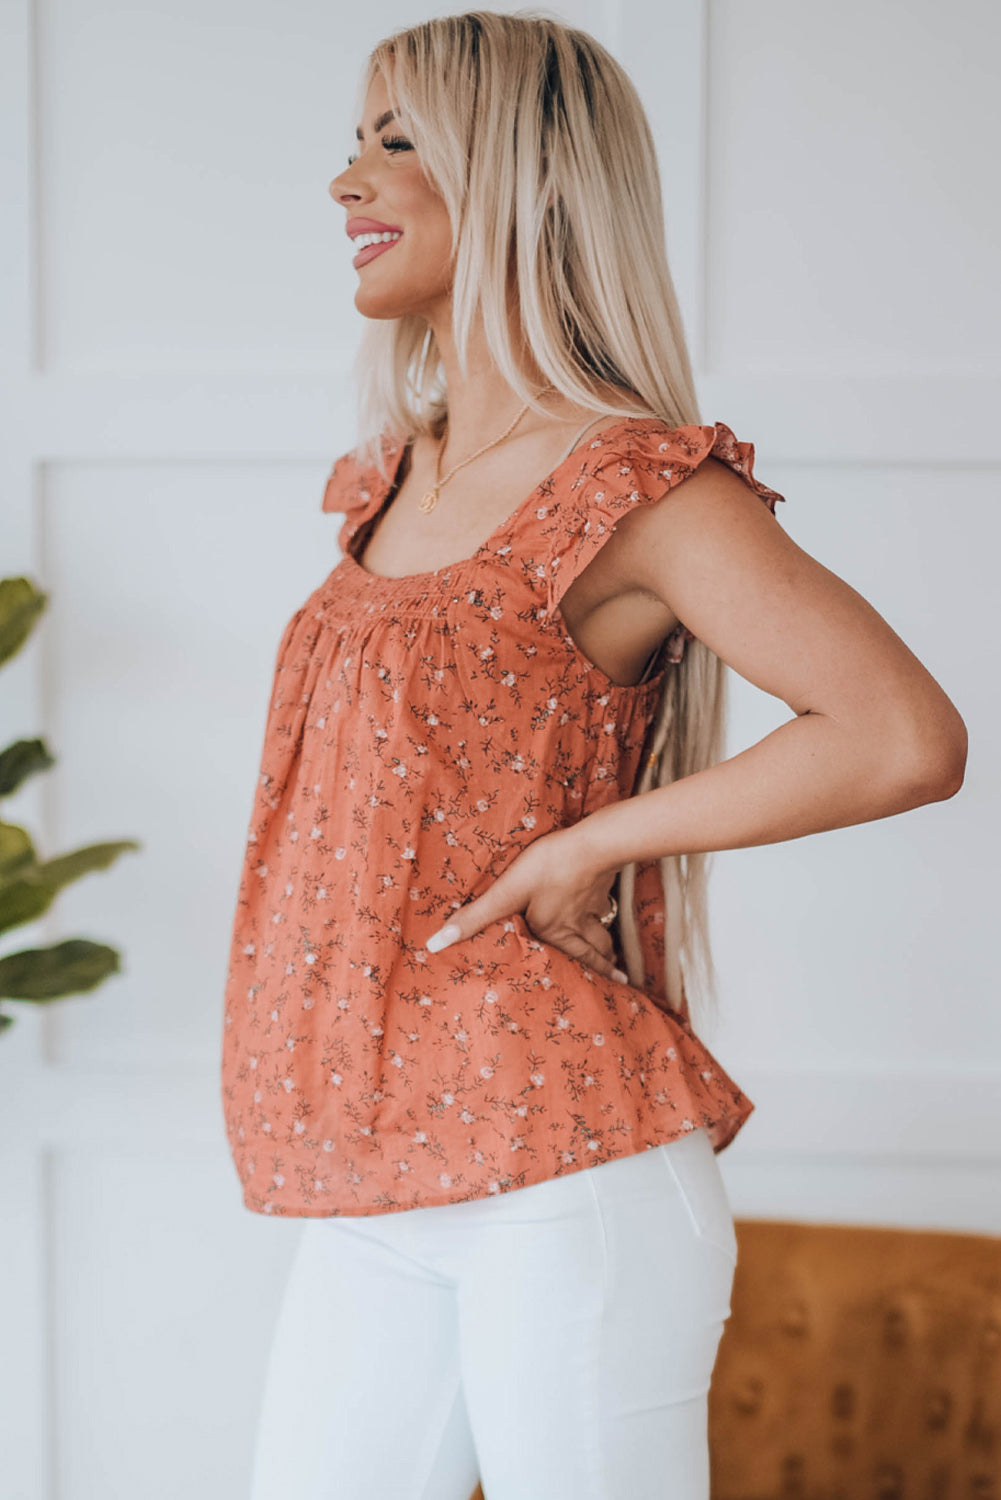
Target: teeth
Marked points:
361	240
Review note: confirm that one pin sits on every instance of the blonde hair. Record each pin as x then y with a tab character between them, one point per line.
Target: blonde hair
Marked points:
538	143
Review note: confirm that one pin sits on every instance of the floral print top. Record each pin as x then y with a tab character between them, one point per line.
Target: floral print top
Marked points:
420	732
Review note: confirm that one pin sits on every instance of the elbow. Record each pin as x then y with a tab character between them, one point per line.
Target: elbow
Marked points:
937	763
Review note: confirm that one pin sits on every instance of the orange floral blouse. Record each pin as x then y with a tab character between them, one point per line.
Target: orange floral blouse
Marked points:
421	731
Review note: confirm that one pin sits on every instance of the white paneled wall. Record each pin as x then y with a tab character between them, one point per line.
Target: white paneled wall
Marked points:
160	647
178	326
851	228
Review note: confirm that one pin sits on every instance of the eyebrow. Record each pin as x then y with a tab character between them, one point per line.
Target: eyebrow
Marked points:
382	121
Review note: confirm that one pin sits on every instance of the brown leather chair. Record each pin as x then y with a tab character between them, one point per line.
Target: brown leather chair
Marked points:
858	1363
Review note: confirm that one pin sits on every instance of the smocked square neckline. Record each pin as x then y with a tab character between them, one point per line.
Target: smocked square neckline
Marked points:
445	572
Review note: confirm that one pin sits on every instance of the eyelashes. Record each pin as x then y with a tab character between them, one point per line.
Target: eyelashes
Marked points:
391	143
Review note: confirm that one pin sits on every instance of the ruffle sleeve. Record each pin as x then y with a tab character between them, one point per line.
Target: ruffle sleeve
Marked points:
641	465
358	489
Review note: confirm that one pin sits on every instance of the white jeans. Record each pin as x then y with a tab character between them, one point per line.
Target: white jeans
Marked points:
555	1341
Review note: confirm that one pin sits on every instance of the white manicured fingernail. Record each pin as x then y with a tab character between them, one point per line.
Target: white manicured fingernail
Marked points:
618	974
442	938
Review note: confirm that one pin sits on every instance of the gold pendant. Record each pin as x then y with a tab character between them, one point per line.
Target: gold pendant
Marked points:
428	501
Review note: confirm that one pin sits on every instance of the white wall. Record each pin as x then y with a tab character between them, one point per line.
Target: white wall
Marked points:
178	324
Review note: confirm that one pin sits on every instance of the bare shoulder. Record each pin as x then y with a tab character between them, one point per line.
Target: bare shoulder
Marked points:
712	510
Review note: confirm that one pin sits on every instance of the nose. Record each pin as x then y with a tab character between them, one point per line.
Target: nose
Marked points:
342	193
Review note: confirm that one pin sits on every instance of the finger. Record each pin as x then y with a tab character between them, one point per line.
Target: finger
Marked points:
597	934
501	900
586	953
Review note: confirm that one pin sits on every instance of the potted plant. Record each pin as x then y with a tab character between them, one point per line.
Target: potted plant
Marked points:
28	884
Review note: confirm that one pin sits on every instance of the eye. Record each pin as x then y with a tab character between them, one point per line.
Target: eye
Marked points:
391	143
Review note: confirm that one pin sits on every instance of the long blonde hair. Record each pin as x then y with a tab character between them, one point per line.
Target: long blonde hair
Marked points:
536	139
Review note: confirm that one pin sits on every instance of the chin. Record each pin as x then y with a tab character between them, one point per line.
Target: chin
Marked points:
380	305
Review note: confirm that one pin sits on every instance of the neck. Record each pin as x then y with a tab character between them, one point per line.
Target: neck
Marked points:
481	401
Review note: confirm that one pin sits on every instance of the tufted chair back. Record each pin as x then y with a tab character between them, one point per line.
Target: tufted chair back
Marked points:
858	1363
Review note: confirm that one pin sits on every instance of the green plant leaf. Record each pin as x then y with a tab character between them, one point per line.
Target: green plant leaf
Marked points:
17	852
24	901
72	967
20	605
19	761
5	1021
66	867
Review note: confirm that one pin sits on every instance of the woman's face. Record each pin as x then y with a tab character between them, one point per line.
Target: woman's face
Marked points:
385	183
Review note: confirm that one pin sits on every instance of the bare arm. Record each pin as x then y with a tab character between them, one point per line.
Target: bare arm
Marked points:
874	734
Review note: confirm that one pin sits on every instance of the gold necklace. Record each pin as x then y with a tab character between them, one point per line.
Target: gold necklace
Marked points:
429	499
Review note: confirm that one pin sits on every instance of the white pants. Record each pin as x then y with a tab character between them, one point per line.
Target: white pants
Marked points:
555	1342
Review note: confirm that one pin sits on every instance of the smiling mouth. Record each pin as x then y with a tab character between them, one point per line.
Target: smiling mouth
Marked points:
369	252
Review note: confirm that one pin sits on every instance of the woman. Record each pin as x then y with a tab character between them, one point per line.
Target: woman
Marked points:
458	1037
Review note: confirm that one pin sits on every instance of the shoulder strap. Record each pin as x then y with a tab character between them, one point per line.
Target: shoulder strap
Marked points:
634	468
575	440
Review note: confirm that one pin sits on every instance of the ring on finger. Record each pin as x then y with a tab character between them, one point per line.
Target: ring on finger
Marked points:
609	917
